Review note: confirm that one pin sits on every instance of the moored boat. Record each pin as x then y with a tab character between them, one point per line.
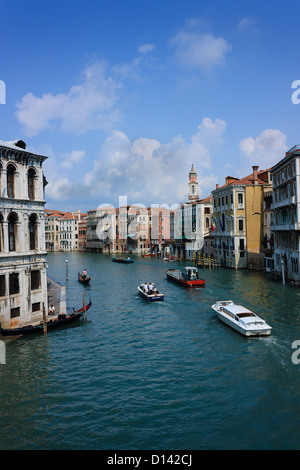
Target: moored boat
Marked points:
83	280
122	260
61	320
188	278
149	293
241	319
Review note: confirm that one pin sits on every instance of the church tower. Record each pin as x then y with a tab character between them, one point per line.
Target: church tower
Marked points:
193	186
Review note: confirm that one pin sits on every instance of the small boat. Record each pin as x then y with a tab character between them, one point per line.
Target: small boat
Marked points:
83	280
151	296
188	278
148	255
61	320
122	260
241	319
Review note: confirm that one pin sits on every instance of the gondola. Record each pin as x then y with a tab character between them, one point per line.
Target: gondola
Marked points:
83	280
122	260
61	320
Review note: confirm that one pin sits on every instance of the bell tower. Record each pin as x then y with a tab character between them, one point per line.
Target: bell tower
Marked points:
193	186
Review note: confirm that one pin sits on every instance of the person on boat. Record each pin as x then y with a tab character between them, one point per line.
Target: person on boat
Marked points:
146	288
84	274
51	310
151	288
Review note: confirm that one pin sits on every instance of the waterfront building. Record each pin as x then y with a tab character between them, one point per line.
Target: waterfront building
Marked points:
62	230
191	223
23	267
286	216
268	241
82	233
128	229
238	219
101	230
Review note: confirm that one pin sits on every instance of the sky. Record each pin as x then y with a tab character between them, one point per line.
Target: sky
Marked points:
124	96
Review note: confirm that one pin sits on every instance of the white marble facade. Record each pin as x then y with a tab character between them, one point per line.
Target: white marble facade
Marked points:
23	267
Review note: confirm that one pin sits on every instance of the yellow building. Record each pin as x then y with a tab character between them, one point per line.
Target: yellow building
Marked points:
238	219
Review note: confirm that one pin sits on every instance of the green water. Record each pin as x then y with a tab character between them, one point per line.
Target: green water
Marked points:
165	375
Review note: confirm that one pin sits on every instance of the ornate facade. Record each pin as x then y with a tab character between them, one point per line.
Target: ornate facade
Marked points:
23	267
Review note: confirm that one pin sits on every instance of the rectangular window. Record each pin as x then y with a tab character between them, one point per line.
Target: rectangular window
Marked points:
240	198
242	248
35	280
14	312
14	287
241	225
2	286
35	307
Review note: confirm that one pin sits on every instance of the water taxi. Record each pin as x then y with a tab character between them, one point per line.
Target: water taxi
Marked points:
241	319
188	278
149	291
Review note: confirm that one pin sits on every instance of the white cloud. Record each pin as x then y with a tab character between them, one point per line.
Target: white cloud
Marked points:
89	105
72	158
248	25
149	172
202	51
266	149
145	48
135	69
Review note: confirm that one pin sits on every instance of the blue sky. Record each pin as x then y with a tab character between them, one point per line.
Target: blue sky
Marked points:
123	96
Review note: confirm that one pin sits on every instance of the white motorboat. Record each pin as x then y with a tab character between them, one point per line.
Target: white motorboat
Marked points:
150	292
241	319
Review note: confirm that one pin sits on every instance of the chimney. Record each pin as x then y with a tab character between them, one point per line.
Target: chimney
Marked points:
217	186
255	178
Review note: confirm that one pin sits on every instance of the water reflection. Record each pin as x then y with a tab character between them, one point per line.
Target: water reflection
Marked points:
135	375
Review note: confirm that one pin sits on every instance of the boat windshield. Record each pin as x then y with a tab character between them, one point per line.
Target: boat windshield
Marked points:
242	315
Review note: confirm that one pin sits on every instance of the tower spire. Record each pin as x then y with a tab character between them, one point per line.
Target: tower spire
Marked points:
193	185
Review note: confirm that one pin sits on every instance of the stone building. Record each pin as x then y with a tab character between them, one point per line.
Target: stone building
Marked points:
23	267
286	214
238	216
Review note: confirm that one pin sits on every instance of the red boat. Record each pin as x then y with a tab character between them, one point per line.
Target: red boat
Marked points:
188	278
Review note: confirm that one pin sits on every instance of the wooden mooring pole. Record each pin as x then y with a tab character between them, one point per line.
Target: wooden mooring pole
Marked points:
84	309
44	320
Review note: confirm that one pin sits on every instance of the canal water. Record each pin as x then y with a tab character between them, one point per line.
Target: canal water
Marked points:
160	376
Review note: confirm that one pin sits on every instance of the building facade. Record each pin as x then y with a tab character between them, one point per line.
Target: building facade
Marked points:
62	230
286	215
238	218
23	267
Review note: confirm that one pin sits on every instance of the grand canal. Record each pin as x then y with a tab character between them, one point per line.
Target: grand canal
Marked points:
167	375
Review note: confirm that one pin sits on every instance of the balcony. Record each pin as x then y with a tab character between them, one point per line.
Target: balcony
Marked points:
285	227
286	202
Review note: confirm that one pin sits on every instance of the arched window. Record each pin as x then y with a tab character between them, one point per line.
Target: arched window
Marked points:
1	233
31	176
10	174
33	232
12	231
